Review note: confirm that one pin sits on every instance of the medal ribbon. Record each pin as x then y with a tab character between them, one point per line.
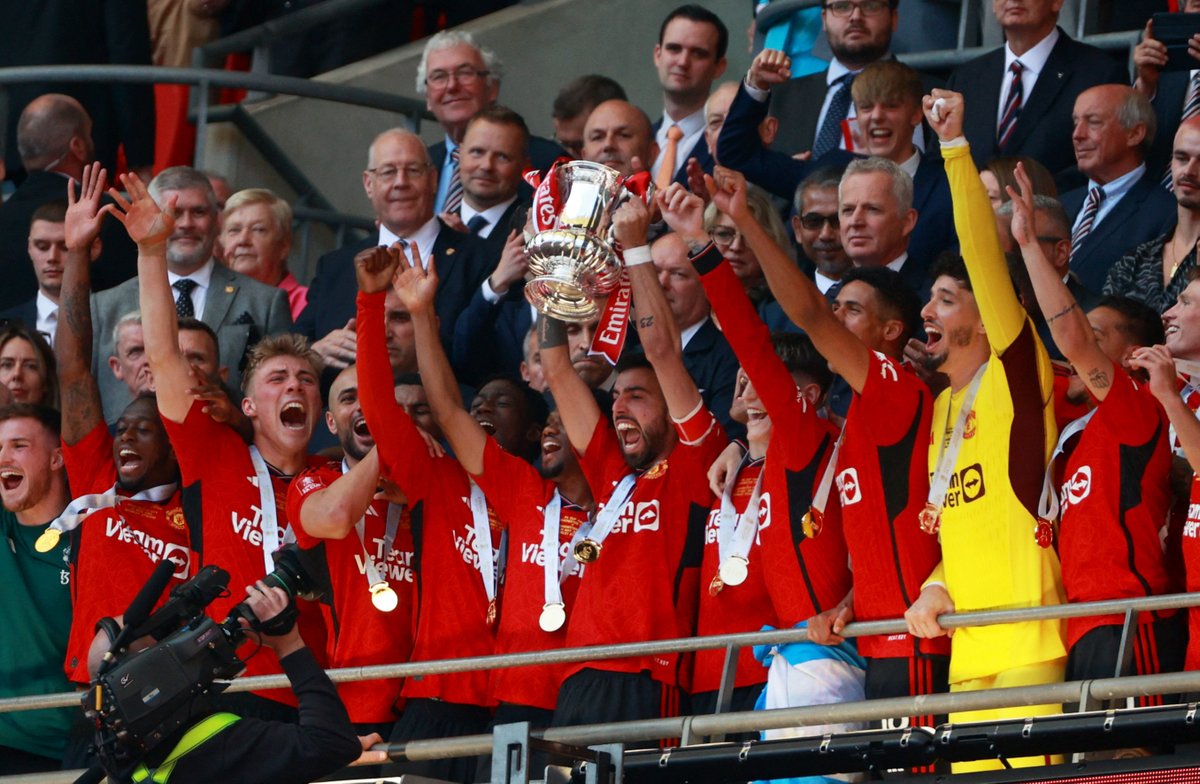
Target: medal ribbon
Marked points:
821	497
735	533
483	543
1048	503
948	454
607	517
389	537
266	500
83	506
554	572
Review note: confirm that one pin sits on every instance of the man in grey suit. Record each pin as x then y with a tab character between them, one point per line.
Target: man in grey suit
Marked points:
238	308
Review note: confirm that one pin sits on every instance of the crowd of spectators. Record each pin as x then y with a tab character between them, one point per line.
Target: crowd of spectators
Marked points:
885	346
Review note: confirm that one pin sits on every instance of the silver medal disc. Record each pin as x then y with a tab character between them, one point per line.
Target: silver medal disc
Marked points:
553	617
734	570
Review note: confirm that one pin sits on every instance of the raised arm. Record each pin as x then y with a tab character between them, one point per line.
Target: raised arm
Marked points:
1002	314
1068	323
331	512
1157	361
576	406
417	289
799	297
82	409
149	227
655	323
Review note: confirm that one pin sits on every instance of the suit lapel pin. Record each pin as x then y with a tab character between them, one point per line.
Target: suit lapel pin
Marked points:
229	289
449	251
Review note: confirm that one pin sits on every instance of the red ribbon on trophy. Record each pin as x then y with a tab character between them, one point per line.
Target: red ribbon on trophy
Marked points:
613	329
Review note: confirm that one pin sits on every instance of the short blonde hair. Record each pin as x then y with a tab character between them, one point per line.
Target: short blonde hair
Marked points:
282	345
764	214
281	211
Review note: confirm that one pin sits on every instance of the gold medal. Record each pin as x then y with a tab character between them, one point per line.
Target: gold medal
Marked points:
930	518
491	613
48	540
716	585
812	522
586	551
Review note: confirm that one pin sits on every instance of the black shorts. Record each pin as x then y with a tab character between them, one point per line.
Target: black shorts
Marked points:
1158	646
909	676
427	718
599	696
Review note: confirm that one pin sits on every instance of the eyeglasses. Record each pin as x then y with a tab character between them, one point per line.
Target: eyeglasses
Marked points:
723	235
844	8
464	74
814	221
389	173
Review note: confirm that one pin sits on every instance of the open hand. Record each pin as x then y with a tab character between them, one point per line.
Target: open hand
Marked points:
84	214
147	224
415	285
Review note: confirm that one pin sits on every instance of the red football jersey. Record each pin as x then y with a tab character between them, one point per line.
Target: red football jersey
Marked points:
115	550
734	608
882	481
90	467
805	574
519	495
1115	498
1190	545
643	586
358	634
220	485
452	605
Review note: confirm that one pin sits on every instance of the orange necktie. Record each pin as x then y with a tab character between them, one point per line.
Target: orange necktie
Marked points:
666	172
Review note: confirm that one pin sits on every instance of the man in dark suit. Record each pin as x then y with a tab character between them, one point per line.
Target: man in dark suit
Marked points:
888	99
689	57
238	308
877	219
811	109
1123	204
1022	93
494	154
48	251
459	78
54	135
401	183
1171	92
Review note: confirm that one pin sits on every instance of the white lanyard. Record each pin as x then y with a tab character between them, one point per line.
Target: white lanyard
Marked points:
590	537
948	457
821	498
554	613
382	595
735	533
269	523
83	506
1048	504
484	549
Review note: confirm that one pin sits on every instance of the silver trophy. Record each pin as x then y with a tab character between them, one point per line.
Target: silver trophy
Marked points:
573	263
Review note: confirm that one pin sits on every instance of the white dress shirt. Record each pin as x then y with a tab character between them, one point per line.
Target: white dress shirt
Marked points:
202	278
47	317
692	127
424	238
1033	62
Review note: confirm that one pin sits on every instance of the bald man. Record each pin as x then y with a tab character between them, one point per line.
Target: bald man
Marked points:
1122	205
616	132
716	109
401	183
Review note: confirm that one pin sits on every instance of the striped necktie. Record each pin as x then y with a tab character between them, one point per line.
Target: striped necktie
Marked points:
454	190
1087	218
1012	106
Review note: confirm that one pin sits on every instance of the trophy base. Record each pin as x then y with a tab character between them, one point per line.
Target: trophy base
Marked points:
570	269
561	299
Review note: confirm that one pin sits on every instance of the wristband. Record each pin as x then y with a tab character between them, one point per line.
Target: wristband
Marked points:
635	256
693	428
957	141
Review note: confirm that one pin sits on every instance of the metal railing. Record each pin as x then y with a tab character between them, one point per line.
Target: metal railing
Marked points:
689	728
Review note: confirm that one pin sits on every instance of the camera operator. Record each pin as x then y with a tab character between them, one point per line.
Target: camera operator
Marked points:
223	747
